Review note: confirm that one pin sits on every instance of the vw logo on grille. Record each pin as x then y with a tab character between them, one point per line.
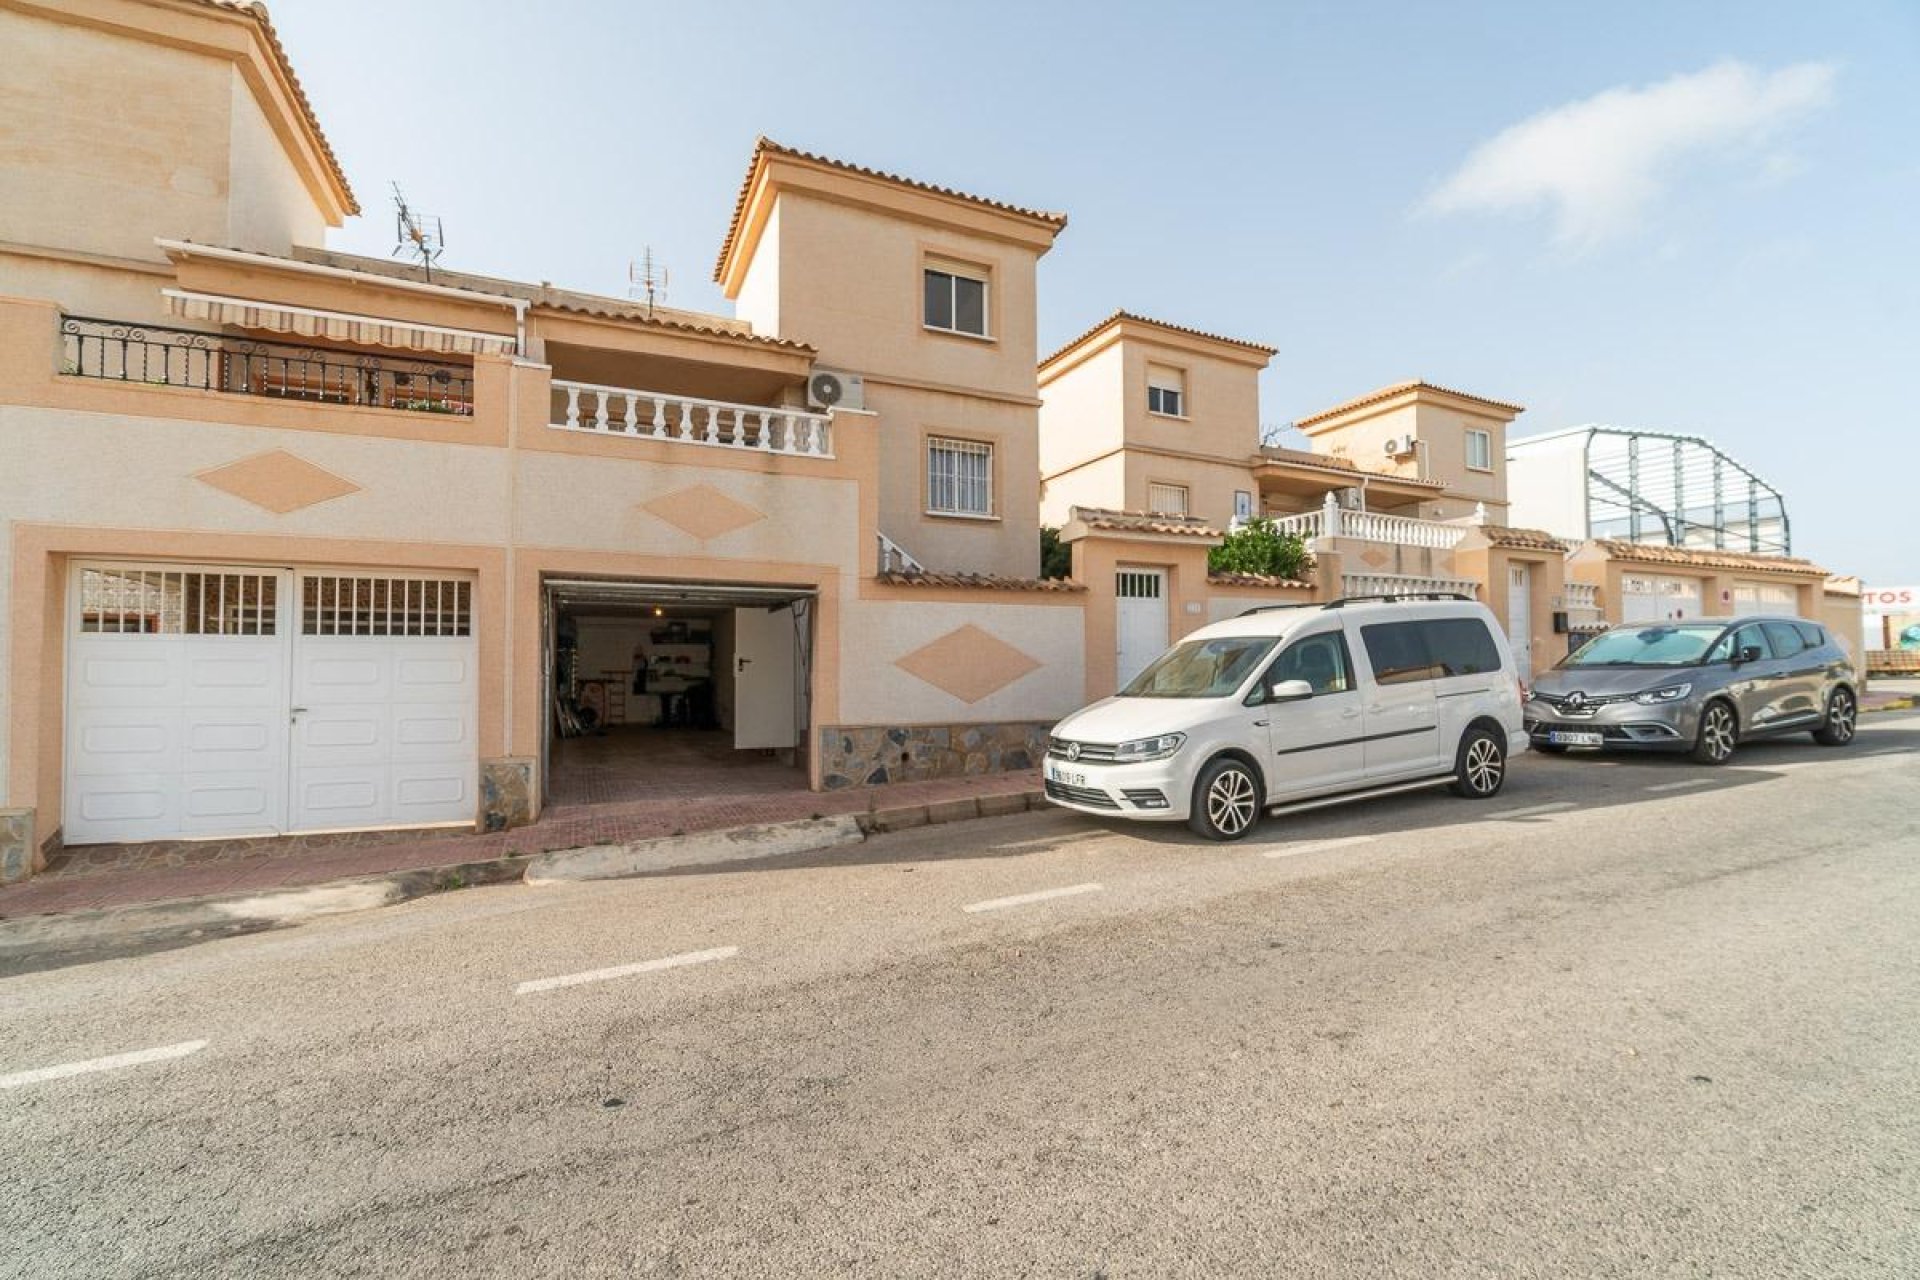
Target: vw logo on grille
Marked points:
1073	751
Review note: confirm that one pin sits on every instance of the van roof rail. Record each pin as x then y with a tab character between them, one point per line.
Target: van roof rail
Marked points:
1346	600
1272	608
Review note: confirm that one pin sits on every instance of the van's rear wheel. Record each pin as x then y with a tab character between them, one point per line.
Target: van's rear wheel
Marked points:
1226	800
1480	766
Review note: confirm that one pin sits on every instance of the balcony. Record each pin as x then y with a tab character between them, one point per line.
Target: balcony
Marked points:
1332	521
158	355
633	414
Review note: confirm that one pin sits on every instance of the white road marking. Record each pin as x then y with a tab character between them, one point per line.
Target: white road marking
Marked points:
1682	785
626	970
114	1063
1533	810
1315	846
1022	899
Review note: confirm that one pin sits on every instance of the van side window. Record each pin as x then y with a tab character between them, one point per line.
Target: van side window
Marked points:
1815	638
1728	647
1398	652
1321	660
1461	646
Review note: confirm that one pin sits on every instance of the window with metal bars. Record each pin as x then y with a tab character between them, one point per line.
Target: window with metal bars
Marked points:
1132	584
358	605
177	602
1167	499
959	477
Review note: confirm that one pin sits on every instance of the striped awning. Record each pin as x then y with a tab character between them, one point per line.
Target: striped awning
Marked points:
336	326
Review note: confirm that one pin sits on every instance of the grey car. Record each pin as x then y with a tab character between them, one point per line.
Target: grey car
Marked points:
1700	686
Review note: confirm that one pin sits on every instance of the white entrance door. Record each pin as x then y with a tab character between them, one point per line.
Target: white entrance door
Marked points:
1140	621
765	652
384	703
176	702
1520	617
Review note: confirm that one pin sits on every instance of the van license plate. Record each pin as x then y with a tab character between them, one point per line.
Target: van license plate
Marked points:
1066	779
1560	738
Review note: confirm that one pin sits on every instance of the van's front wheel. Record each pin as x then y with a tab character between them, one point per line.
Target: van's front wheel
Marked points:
1480	766
1226	800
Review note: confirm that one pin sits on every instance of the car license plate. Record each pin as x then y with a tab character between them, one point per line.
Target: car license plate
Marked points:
1061	776
1566	738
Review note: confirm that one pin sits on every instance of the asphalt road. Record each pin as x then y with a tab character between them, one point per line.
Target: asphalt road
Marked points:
1631	1018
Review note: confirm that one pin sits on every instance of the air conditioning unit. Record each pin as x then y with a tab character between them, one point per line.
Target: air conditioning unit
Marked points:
1351	499
1398	446
831	389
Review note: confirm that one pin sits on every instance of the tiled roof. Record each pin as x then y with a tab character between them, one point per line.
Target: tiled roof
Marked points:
1846	584
1257	580
258	12
1642	553
1498	535
980	581
1126	315
1330	462
1400	389
613	308
768	147
1145	522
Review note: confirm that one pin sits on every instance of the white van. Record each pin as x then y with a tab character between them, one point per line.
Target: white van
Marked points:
1297	706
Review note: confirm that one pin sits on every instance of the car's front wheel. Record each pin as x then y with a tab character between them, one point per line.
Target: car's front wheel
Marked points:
1718	733
1480	766
1226	800
1843	716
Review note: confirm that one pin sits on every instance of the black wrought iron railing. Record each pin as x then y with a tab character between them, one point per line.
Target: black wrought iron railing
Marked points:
158	355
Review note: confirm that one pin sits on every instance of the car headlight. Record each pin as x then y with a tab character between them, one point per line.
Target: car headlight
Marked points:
1142	749
1668	693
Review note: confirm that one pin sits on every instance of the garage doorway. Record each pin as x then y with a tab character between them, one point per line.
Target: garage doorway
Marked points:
661	689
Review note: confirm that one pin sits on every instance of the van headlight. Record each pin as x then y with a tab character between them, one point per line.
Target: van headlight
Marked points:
1668	693
1143	749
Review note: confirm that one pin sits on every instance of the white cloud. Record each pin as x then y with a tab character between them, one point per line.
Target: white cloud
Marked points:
1600	162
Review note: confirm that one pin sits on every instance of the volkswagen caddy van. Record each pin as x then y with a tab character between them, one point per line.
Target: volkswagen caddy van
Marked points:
1298	706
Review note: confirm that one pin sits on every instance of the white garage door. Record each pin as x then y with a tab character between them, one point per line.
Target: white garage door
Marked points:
1658	599
215	701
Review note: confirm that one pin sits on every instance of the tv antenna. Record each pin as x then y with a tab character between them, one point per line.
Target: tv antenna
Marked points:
418	235
646	279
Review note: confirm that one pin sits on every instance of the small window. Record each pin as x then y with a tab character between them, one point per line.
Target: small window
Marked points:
1812	635
956	303
1321	660
1242	504
1166	391
1784	638
165	602
1398	653
1167	499
959	477
1461	647
1479	451
356	605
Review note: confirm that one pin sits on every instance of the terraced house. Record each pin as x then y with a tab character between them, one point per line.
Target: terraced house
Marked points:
297	540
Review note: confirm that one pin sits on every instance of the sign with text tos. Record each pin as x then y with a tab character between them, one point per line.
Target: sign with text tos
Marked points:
1890	599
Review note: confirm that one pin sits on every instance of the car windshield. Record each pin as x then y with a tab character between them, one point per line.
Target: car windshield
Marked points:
1201	668
1662	646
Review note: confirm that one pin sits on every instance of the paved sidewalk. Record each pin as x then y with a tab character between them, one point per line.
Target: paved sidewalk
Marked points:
258	865
1891	693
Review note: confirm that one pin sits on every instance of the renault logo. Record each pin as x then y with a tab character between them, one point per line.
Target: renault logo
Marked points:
1073	751
1576	701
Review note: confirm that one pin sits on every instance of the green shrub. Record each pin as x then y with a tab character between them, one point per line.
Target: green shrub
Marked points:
1258	547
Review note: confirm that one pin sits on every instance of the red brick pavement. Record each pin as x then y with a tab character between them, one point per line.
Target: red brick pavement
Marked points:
122	876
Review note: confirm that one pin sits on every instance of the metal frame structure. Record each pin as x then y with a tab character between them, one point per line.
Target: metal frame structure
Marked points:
1660	487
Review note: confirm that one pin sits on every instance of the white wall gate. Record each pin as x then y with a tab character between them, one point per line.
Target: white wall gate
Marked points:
1140	621
1650	598
227	701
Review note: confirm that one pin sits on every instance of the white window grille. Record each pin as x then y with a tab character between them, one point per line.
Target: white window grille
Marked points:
178	602
1136	584
959	477
955	301
1166	391
1480	450
367	605
1167	499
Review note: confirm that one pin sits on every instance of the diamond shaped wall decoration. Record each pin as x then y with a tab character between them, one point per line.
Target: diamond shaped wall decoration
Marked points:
277	481
703	512
968	663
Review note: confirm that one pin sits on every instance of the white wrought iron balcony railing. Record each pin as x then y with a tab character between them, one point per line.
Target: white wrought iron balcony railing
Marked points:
1333	521
656	415
1582	595
1399	584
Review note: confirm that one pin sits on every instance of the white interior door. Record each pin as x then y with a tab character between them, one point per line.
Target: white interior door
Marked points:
385	703
1520	617
176	702
1140	621
765	651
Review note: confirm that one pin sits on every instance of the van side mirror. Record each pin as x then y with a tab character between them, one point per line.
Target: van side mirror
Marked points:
1290	691
1748	653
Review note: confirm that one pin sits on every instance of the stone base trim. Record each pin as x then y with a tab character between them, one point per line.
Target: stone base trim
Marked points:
869	755
506	793
18	858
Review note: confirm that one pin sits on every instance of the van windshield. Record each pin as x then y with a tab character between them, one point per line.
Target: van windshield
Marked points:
1201	668
1661	646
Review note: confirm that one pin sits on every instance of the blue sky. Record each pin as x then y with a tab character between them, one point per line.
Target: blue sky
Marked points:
1697	218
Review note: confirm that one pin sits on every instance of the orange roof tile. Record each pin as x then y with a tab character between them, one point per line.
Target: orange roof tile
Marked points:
979	581
1521	539
1643	553
1329	462
1257	580
1145	522
1125	315
766	146
1401	388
